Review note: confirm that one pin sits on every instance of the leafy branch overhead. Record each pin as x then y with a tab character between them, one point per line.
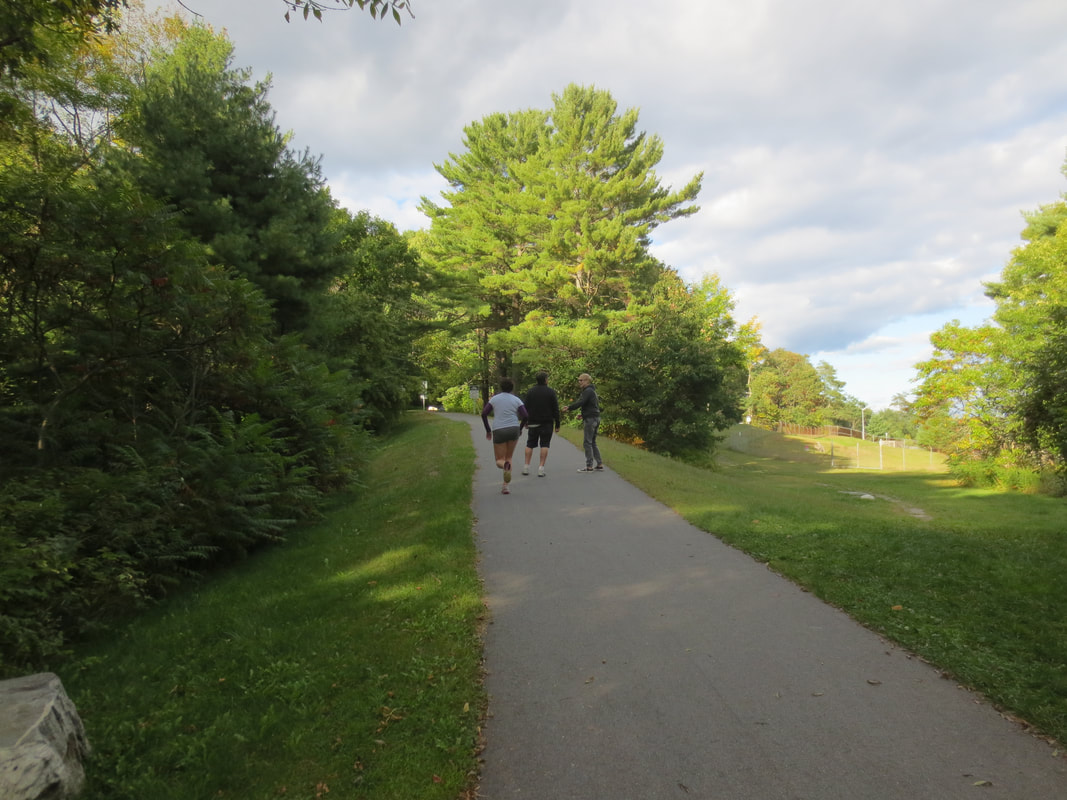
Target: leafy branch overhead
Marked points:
377	8
27	27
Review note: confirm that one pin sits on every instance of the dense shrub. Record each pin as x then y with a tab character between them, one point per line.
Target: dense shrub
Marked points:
458	398
83	545
1010	470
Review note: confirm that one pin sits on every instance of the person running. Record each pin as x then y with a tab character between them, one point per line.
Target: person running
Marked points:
589	405
542	403
509	417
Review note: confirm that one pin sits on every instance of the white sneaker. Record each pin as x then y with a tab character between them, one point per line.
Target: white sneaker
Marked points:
526	469
540	472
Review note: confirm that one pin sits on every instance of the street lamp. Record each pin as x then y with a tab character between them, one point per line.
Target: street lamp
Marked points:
863	423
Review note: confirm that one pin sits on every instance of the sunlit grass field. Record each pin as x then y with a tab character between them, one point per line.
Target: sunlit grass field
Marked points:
836	452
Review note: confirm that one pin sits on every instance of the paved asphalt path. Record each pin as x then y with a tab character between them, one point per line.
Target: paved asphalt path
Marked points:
631	656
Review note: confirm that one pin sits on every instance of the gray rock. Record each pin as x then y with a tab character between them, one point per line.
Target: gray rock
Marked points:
42	740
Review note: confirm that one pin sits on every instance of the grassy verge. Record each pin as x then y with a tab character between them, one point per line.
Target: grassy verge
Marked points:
973	580
345	663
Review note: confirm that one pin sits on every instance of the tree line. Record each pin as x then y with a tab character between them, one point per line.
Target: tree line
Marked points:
197	344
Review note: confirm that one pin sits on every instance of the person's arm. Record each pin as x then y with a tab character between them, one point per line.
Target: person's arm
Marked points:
485	419
581	399
555	410
524	416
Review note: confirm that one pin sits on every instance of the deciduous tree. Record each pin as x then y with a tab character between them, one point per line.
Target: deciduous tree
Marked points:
671	377
366	323
997	389
376	8
841	408
29	28
965	387
787	388
1031	302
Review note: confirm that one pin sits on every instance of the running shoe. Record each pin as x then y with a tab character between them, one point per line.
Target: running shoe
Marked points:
507	472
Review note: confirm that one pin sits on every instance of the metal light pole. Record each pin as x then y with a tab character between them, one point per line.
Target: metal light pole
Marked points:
863	423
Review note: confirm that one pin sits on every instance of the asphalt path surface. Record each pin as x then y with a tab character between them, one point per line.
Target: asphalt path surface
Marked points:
631	656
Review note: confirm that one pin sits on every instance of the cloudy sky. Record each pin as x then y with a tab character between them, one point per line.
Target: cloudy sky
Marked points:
865	163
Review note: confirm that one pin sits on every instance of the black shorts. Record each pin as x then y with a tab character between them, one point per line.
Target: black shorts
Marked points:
501	435
539	435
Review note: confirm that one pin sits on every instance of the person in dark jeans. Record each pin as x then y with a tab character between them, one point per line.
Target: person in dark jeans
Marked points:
588	405
542	404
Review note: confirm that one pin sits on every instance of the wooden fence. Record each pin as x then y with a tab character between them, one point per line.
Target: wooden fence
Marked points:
822	430
868	457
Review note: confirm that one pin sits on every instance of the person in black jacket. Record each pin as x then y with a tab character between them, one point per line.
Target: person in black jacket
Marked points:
542	404
588	404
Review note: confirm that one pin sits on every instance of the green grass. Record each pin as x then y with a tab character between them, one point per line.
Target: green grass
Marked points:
345	663
972	580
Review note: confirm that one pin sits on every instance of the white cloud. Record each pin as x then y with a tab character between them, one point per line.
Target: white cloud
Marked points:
395	197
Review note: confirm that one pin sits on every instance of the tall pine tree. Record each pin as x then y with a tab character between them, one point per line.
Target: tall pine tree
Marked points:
206	143
547	219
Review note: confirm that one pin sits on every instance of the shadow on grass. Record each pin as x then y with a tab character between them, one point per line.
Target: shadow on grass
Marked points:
345	660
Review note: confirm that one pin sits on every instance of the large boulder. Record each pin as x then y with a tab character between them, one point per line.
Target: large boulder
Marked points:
42	740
